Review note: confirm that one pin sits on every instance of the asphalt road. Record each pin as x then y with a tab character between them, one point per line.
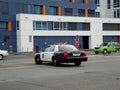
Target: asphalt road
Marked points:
19	72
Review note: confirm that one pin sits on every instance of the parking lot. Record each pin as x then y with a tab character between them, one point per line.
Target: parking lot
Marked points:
101	72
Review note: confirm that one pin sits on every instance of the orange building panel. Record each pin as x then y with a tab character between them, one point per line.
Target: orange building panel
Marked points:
9	26
86	12
43	10
85	1
59	11
72	1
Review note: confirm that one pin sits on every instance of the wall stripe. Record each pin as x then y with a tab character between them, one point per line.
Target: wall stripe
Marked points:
9	26
86	12
43	10
59	11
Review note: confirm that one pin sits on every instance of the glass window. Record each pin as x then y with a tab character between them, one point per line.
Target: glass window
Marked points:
37	9
60	26
97	14
85	26
108	4
3	8
91	13
68	11
63	48
17	25
53	10
110	26
72	26
97	2
3	25
81	12
19	8
81	1
28	8
40	25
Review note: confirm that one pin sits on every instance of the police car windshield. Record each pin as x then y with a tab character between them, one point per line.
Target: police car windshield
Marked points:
64	48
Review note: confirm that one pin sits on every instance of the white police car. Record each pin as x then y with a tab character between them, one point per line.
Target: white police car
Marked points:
61	54
3	53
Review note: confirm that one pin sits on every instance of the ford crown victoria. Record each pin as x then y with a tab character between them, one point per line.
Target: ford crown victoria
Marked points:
61	54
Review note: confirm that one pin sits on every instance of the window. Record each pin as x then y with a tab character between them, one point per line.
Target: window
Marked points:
116	13
24	8
108	4
110	26
116	3
37	9
85	26
3	25
97	2
97	14
91	13
59	26
53	10
28	8
68	11
81	1
91	1
72	26
40	25
3	8
81	12
17	25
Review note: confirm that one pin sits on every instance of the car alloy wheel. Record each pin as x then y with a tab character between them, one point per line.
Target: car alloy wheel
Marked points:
104	51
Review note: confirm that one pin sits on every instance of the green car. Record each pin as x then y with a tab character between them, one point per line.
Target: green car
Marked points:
107	47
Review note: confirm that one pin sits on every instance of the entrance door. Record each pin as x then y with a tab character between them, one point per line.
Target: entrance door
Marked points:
85	42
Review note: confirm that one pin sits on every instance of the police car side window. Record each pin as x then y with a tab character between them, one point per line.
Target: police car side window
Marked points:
47	49
52	49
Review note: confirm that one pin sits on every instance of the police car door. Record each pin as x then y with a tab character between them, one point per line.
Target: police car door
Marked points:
48	53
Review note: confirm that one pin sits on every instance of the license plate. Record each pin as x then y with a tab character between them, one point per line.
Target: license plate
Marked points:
76	54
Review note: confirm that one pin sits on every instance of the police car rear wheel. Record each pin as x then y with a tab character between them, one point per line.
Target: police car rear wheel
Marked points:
55	62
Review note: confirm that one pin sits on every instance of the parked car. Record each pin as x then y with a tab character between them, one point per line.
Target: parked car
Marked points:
107	47
3	53
61	54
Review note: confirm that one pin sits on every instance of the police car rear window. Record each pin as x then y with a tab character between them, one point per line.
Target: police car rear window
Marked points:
63	48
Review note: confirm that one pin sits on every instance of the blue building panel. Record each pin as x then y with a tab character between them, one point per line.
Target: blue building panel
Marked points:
110	39
44	41
11	16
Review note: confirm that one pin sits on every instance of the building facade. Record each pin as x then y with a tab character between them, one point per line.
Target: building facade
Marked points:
108	8
43	30
27	25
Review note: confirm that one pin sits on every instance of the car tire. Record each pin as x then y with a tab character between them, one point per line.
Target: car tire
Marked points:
1	57
96	53
77	63
55	62
104	51
117	50
37	60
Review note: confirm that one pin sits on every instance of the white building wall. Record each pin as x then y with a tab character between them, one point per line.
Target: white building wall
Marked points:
26	29
104	11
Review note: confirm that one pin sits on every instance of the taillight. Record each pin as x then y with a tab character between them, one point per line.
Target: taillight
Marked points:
65	54
85	54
